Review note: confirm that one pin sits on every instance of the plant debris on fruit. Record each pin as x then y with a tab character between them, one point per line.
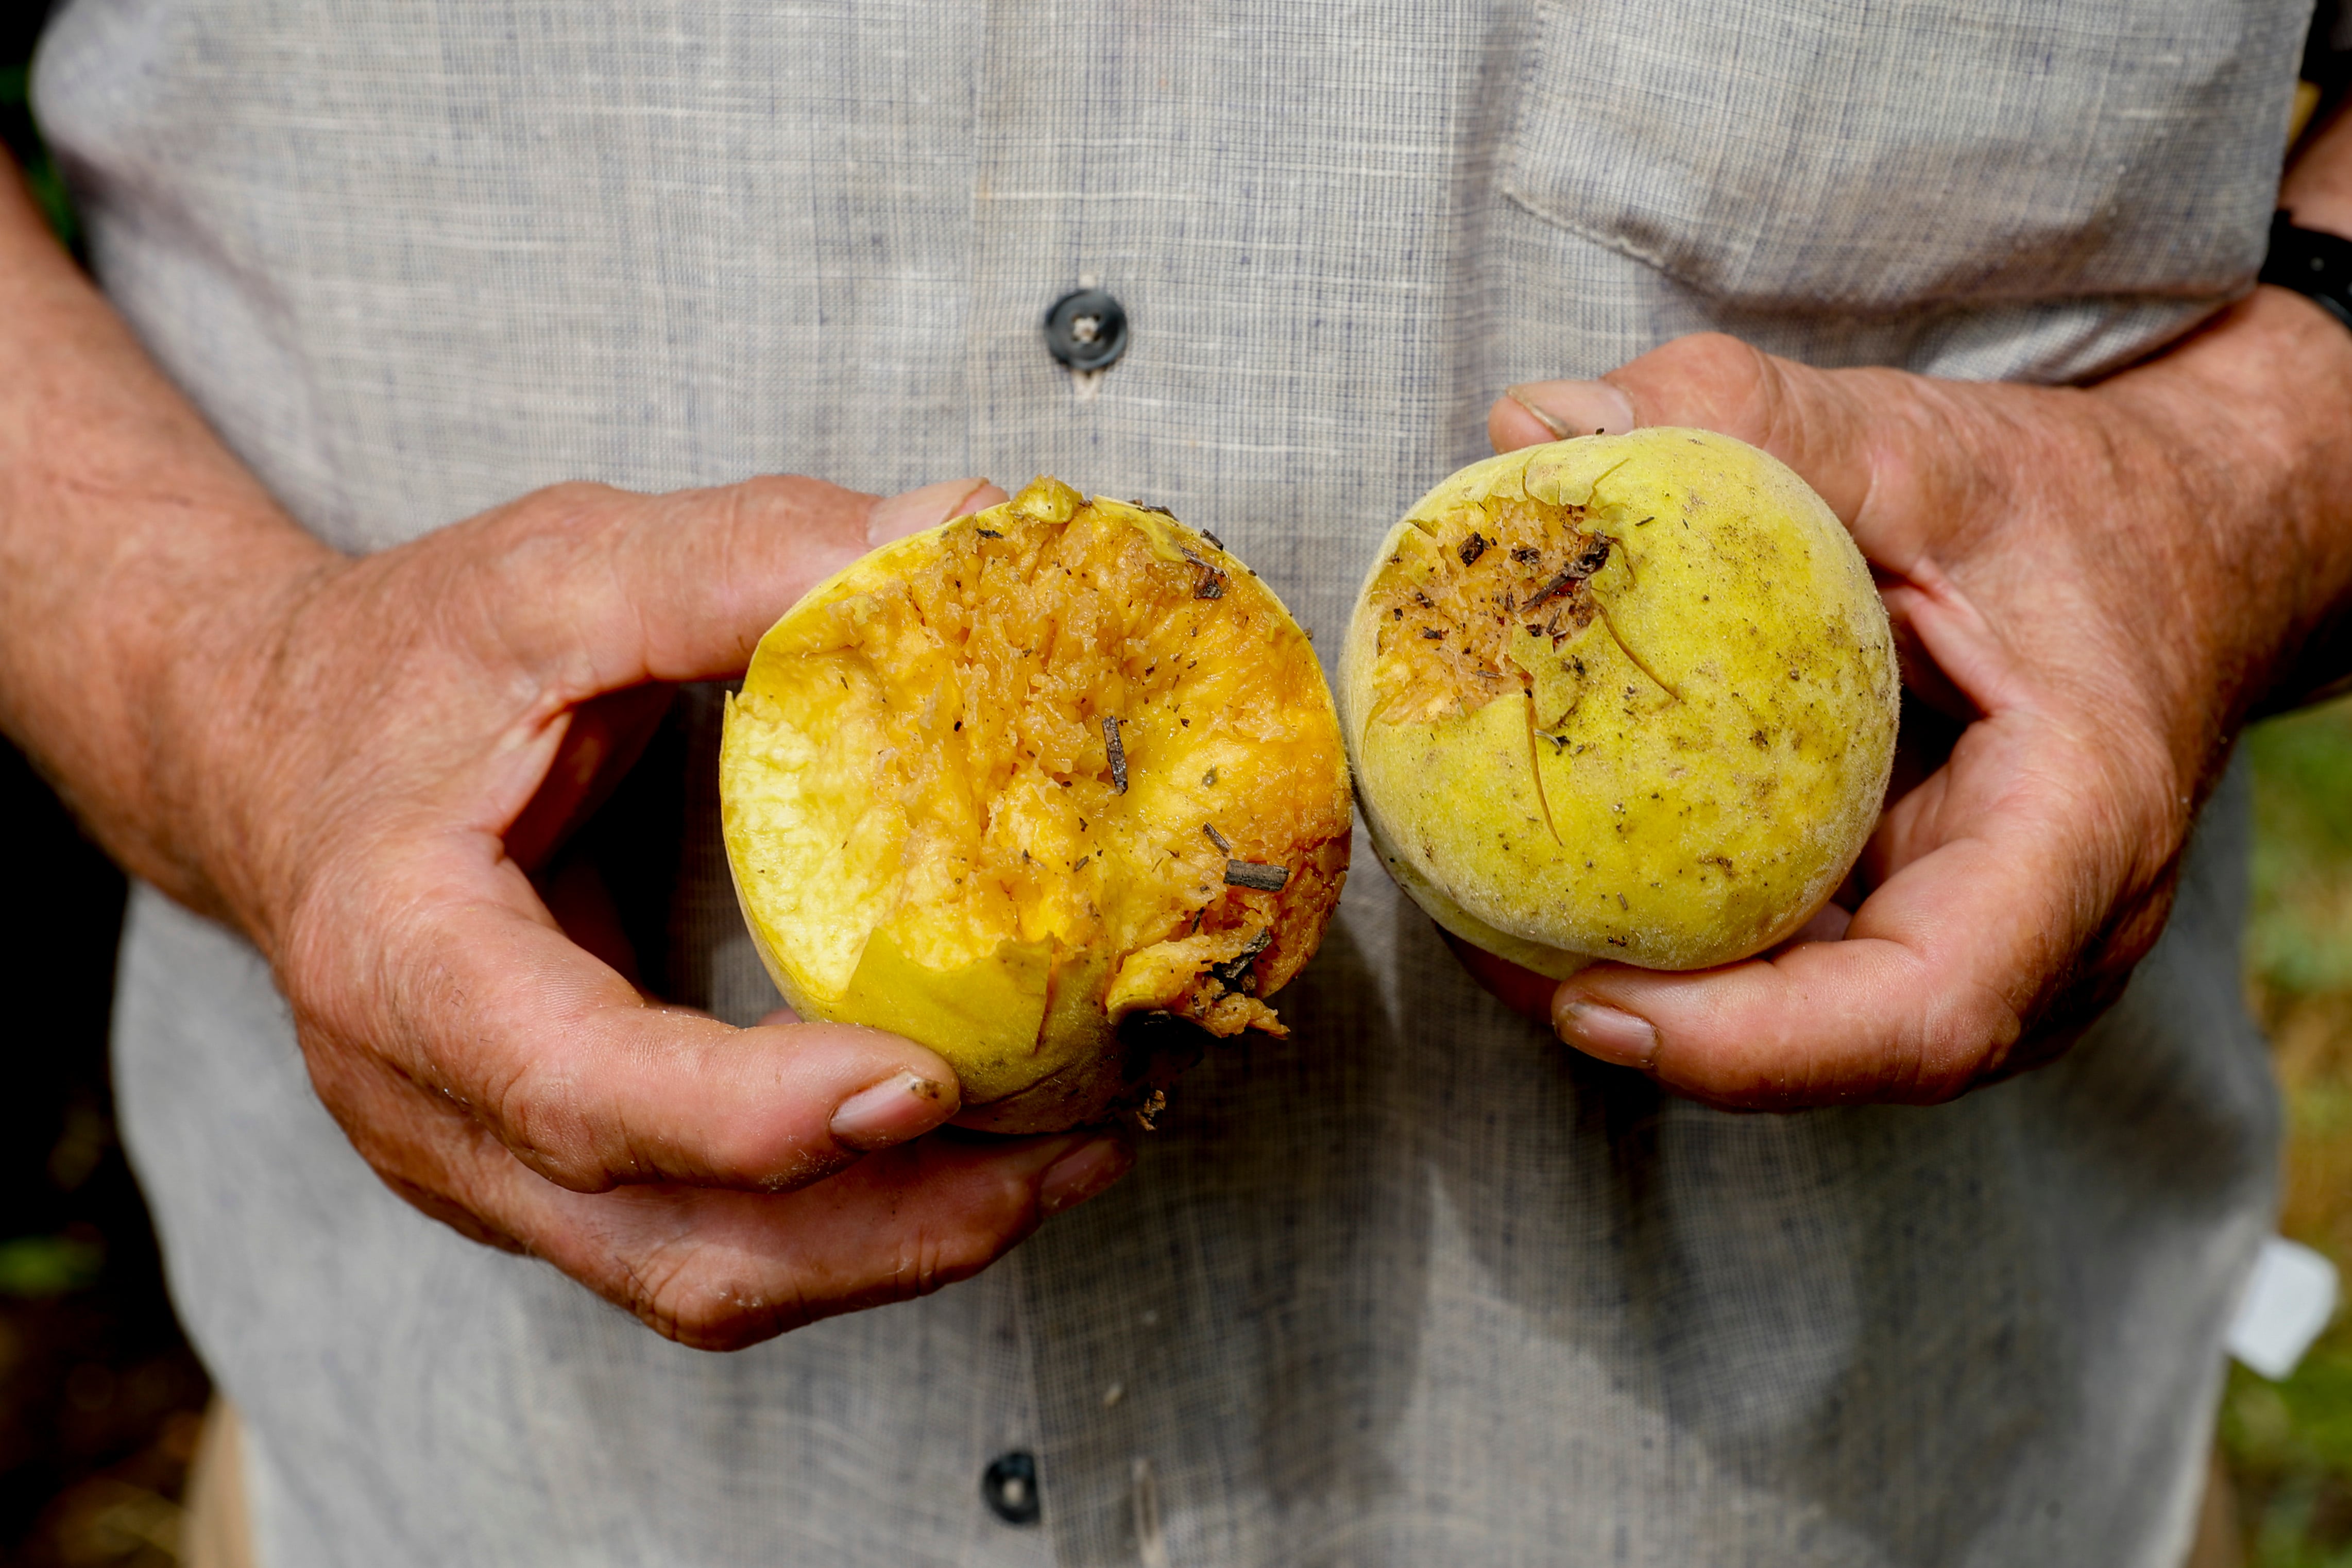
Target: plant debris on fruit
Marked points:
1531	598
1212	582
1527	564
927	839
1256	873
1118	755
1239	972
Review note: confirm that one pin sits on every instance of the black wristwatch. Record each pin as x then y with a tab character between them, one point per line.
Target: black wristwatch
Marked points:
2312	264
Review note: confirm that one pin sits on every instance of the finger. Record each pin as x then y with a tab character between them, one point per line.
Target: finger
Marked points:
476	995
593	590
1809	419
1879	446
602	737
928	508
1915	1004
592	1087
723	1270
1542	411
1993	877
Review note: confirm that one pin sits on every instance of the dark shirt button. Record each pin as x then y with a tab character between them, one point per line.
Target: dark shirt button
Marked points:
1010	1486
1087	330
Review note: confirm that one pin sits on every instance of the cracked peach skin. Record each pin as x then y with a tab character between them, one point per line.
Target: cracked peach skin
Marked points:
1624	697
1027	787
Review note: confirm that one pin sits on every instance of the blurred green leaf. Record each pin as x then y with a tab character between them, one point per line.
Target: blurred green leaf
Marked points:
2289	1450
2318	1401
40	170
2299	933
43	1266
2288	1445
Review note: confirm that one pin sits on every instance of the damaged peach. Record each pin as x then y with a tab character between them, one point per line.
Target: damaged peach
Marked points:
1033	787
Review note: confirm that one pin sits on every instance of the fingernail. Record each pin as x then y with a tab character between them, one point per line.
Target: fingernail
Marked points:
894	517
1081	1173
1568	408
902	1106
1606	1033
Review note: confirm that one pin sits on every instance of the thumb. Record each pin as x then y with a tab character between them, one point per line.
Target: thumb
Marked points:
896	517
595	590
611	598
1831	426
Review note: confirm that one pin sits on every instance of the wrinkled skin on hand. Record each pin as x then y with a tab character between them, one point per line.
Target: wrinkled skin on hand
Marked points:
408	743
369	768
2090	588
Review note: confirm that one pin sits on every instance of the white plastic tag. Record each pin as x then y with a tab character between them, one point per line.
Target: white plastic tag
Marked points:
2290	1297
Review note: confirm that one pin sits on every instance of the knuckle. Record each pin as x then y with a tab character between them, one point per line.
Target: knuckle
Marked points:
1715	380
548	533
1956	1046
942	1259
1718	356
788	491
926	1259
672	1294
681	1300
569	504
650	1289
1723	361
537	1115
931	1258
749	513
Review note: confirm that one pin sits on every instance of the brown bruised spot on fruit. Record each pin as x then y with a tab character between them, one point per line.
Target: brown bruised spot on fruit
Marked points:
1496	571
1019	723
1211	980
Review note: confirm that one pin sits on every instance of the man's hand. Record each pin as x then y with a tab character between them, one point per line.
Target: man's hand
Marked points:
2090	589
358	763
421	724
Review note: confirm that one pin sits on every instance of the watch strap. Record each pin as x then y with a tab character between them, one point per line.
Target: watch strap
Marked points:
2317	266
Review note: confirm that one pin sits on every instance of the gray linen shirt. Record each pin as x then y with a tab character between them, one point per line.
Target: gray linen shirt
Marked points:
1417	1286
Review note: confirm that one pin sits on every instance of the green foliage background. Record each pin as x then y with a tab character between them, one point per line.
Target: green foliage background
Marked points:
40	169
2288	1445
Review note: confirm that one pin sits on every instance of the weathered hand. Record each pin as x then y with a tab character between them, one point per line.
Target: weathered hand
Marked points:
357	764
410	738
2090	588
